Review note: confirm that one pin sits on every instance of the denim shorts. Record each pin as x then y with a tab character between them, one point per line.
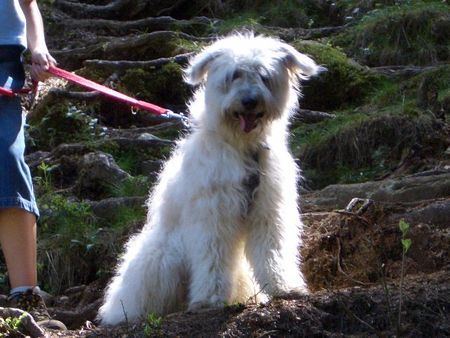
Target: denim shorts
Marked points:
16	185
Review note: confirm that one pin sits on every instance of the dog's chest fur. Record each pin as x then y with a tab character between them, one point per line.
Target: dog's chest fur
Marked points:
252	179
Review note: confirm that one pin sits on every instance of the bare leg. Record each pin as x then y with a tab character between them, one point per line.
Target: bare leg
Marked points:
18	241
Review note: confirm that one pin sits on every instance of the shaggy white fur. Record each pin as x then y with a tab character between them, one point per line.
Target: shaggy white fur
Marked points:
223	221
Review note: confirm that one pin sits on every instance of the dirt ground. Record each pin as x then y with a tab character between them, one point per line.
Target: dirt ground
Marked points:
355	311
352	261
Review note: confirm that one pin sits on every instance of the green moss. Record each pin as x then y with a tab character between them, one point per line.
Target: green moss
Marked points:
247	20
284	13
355	147
345	83
96	74
61	123
416	32
410	96
160	86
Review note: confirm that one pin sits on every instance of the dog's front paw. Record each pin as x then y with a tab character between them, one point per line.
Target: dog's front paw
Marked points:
291	294
213	303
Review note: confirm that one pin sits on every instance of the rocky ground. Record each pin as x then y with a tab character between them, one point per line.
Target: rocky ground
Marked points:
93	162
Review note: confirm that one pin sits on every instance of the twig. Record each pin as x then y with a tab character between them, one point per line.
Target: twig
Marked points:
349	312
340	267
386	293
249	300
124	314
348	213
401	293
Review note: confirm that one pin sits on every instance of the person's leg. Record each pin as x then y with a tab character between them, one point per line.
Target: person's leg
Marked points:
18	241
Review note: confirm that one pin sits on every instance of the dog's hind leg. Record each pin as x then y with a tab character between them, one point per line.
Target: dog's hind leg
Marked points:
147	281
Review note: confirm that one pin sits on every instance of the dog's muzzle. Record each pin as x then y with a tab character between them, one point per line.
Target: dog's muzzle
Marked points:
249	121
249	115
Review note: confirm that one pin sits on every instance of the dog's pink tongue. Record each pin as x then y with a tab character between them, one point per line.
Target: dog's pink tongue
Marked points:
247	122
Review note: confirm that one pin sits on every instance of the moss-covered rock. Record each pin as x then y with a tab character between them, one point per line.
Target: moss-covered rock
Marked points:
360	148
129	156
345	83
162	86
416	32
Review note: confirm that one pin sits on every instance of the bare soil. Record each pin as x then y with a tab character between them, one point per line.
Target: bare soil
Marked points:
352	262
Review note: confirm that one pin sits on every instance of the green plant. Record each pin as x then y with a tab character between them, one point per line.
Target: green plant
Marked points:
132	186
62	123
44	179
153	325
125	216
66	241
10	325
406	244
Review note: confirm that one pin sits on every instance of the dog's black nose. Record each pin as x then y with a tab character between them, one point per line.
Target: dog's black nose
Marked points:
249	102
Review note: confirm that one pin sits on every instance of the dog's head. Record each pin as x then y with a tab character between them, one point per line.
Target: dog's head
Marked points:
249	80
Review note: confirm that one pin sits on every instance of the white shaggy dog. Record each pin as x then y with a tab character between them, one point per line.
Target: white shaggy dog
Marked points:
223	221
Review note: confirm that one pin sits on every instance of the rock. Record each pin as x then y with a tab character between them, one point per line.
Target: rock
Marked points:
151	168
106	208
436	213
407	189
97	172
35	159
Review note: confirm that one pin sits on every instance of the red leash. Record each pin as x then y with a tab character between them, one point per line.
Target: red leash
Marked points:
14	92
111	93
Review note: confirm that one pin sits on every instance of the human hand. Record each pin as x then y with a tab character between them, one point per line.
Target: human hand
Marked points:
41	60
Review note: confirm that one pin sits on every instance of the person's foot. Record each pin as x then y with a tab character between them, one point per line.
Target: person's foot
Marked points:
32	302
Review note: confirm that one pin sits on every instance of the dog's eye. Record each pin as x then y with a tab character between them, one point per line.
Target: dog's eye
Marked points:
265	79
236	75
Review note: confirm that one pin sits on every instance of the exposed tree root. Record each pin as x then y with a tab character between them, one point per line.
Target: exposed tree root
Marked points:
120	48
401	71
124	65
290	34
113	10
115	27
312	116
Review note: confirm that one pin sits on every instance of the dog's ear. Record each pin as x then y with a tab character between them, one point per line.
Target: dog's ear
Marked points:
299	63
198	67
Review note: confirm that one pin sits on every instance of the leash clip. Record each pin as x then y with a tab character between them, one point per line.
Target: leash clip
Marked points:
182	118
